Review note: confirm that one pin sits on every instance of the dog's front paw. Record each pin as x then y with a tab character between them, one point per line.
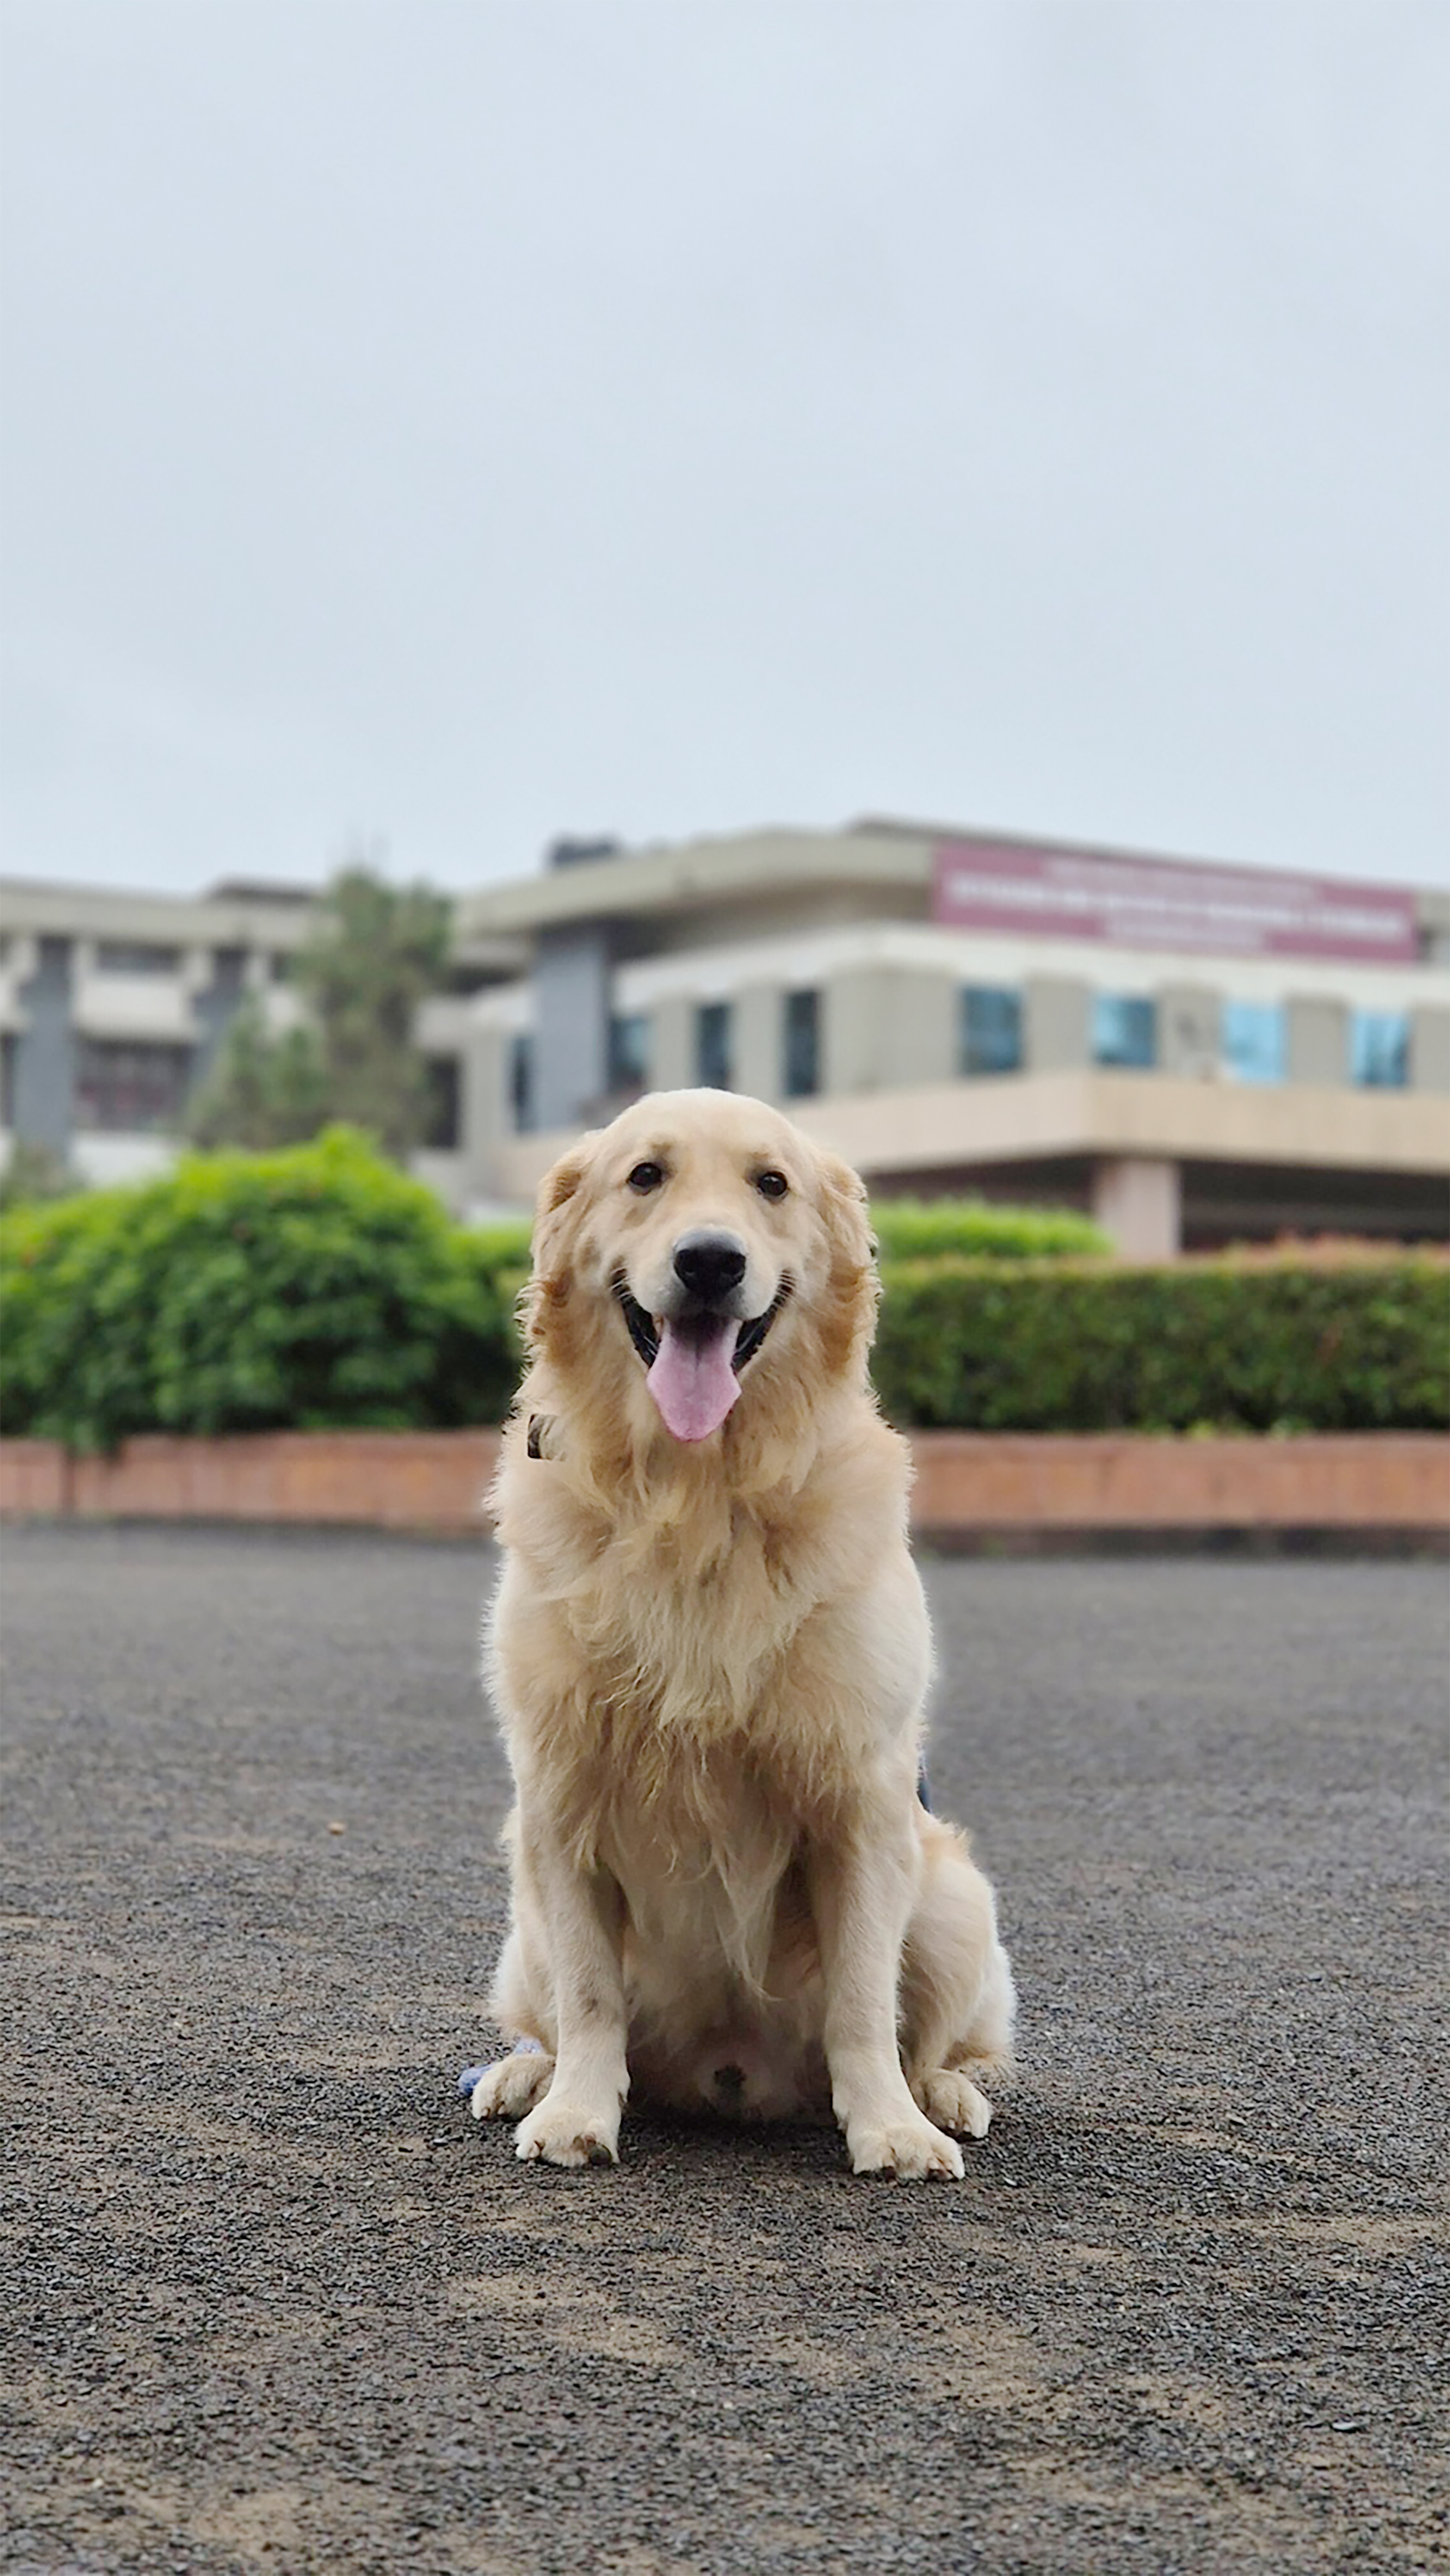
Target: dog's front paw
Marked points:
564	2133
909	2150
507	2090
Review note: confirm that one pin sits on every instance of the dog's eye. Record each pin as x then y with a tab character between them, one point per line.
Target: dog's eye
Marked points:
646	1176
771	1185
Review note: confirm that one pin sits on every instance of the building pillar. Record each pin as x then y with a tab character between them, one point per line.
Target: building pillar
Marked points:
759	1034
483	1108
1318	1046
1057	1024
215	1006
1429	1048
853	1005
572	996
921	1028
43	1080
1138	1200
672	1044
1190	1031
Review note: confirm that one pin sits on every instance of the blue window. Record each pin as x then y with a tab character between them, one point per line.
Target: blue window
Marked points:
1255	1041
989	1033
1379	1049
802	1045
1125	1030
521	1080
714	1046
629	1051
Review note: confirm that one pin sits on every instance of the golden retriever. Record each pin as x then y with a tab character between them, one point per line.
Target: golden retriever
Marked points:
710	1653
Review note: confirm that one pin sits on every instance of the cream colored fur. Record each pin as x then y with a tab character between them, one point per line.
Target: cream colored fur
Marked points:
710	1660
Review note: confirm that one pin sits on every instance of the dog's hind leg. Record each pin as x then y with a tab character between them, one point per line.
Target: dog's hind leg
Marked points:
520	2004
508	2089
956	1997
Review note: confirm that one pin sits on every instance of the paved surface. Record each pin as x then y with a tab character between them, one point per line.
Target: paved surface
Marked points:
275	2303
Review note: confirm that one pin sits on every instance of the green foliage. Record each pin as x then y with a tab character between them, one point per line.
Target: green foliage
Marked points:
34	1175
262	1091
308	1288
318	1287
917	1229
906	1229
375	952
1282	1345
504	1243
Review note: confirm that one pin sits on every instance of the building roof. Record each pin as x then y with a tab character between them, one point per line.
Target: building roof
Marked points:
694	875
228	916
875	855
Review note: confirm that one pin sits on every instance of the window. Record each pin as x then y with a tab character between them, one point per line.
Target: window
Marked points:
629	1051
1379	1049
135	957
130	1087
521	1079
713	1045
443	1124
989	1037
802	1045
7	1080
1125	1030
1254	1041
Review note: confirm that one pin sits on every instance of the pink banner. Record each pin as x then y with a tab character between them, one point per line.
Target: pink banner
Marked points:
1053	893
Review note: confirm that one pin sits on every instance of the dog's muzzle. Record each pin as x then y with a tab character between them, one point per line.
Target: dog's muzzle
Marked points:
646	1339
694	1355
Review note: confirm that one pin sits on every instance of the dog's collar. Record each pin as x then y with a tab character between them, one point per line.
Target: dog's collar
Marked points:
539	1442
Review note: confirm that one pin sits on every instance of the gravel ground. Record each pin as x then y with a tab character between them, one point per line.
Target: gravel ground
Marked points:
273	2301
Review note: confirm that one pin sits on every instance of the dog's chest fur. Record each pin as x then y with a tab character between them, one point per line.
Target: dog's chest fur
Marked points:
664	1672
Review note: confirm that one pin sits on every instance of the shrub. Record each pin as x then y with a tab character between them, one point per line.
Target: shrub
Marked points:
316	1286
906	1229
1288	1345
922	1229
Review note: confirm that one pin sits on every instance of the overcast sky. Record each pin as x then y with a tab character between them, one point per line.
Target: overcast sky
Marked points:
452	423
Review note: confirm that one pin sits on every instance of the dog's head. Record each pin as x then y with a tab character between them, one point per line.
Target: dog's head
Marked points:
703	1251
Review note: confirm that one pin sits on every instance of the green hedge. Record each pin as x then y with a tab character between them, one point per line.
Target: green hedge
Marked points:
1262	1345
319	1287
906	1229
247	1292
926	1229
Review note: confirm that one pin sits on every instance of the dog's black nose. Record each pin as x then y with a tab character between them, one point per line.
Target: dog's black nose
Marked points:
709	1265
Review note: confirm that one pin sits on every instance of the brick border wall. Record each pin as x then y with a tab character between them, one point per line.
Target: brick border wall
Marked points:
967	1483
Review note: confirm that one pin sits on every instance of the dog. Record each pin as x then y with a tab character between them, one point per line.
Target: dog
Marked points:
710	1654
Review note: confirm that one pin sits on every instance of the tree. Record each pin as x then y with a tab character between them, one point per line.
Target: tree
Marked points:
263	1091
375	951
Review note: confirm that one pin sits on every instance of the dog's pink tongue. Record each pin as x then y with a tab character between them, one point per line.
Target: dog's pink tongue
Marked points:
692	1380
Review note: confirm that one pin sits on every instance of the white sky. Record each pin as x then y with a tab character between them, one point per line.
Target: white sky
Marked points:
458	423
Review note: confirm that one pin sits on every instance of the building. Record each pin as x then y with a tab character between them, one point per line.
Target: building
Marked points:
113	1004
1197	1053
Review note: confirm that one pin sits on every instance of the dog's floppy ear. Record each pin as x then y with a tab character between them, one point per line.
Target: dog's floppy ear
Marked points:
556	1216
848	1216
848	1310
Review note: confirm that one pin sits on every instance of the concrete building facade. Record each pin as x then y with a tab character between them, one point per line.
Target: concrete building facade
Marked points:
1197	1054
